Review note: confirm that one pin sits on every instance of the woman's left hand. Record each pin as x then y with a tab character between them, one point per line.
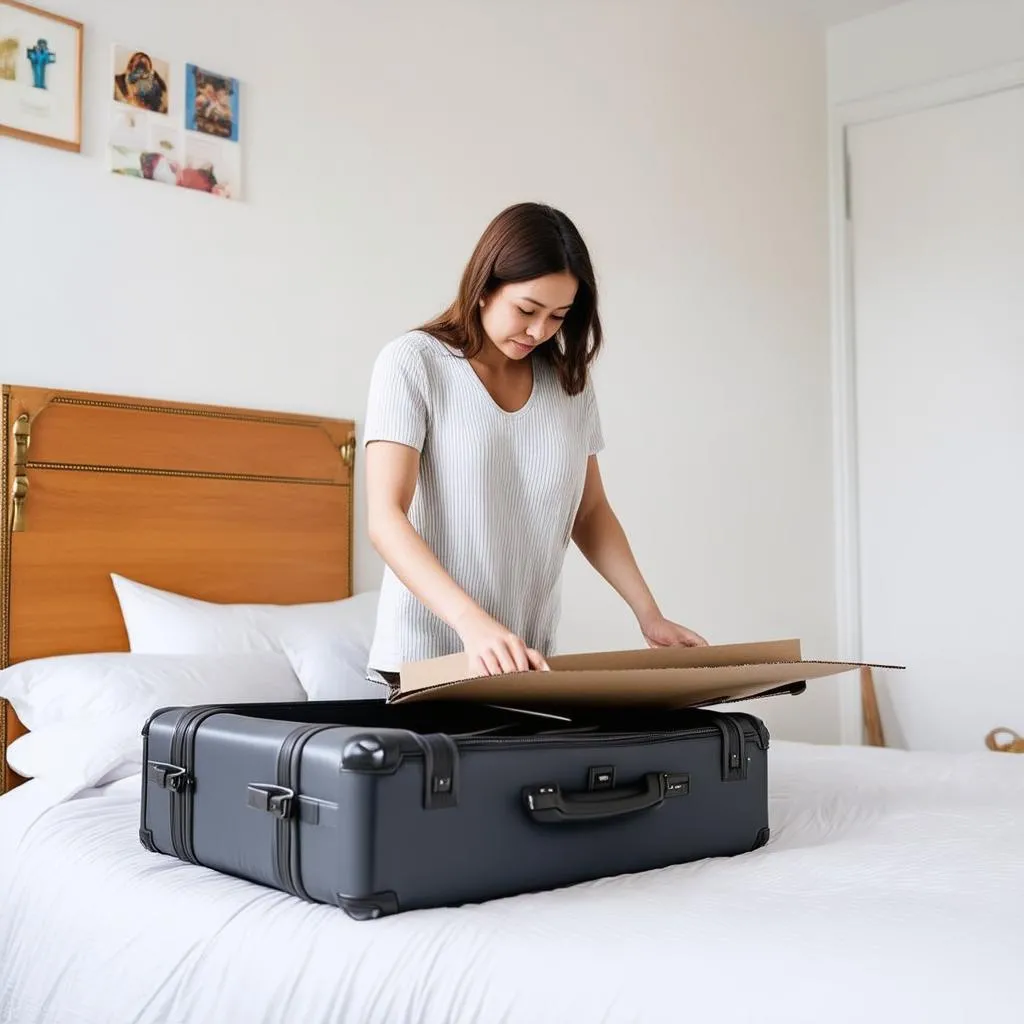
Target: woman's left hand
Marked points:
660	632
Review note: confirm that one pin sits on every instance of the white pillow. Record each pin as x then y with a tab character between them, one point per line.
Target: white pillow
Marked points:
82	752
70	686
332	668
89	709
327	642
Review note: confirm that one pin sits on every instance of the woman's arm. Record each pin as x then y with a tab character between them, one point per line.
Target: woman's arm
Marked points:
391	473
598	534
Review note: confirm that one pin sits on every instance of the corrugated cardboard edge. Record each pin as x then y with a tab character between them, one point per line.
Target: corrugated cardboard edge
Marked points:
454	668
660	688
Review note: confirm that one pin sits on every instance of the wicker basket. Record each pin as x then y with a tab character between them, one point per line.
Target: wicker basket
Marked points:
1005	740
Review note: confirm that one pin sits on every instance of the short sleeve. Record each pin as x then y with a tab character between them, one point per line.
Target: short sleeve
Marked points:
398	403
592	432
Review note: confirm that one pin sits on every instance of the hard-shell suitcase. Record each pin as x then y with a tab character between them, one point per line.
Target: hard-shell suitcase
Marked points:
379	808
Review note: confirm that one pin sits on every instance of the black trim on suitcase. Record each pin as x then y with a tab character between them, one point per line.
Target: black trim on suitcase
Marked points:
286	847
182	785
734	759
146	833
175	776
367	908
283	800
763	738
440	770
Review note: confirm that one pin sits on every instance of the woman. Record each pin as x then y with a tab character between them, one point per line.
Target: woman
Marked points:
482	434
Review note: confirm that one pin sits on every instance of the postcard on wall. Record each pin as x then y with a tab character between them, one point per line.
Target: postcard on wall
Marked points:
143	146
211	103
211	166
141	80
40	76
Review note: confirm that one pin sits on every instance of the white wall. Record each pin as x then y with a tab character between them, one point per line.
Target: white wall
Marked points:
915	55
920	42
687	141
941	551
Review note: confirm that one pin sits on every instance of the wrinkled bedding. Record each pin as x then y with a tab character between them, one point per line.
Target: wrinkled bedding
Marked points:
892	889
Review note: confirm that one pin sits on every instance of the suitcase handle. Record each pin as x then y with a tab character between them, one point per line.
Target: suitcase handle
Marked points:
550	806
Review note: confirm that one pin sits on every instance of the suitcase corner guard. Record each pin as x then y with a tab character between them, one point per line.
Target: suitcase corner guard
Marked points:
372	753
381	753
367	908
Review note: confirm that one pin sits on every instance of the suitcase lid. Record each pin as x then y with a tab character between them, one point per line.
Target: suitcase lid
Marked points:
668	677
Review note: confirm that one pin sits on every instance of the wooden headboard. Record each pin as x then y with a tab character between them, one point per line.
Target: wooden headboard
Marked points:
223	504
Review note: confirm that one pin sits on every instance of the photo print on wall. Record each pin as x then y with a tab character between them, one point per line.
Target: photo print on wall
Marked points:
211	103
40	76
213	128
147	140
141	80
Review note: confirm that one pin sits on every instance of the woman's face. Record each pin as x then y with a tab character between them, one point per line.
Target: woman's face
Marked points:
518	317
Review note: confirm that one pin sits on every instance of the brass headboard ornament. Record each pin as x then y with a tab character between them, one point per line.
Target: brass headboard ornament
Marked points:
348	452
19	492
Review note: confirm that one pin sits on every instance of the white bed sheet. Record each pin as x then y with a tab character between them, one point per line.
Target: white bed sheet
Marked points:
892	889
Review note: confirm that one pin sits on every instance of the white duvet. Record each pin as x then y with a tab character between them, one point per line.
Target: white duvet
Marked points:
892	889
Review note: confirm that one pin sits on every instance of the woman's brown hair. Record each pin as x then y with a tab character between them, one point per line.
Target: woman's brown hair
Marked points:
526	241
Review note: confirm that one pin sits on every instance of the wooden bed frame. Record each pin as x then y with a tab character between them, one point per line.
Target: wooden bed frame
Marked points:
218	503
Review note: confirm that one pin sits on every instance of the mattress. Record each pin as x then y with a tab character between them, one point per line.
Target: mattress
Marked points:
892	889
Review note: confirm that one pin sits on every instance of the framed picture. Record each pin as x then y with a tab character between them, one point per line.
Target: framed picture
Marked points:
40	76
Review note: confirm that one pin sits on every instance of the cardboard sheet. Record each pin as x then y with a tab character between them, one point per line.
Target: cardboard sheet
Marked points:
671	677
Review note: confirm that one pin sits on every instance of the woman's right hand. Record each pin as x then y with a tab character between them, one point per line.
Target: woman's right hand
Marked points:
492	649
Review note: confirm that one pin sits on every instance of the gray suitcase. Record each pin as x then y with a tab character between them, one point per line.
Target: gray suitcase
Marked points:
379	808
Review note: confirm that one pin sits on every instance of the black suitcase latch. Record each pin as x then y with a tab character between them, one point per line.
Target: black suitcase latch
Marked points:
275	800
440	770
168	776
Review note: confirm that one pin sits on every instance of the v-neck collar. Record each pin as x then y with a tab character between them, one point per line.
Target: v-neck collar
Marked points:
471	370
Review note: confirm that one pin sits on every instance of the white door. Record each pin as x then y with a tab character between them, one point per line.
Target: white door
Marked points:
938	278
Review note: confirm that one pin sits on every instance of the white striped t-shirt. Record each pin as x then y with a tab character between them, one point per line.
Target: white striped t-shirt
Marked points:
496	496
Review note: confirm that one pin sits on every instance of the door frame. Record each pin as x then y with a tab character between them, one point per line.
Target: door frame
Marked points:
842	218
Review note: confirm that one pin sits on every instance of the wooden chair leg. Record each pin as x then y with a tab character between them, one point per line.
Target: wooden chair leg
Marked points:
874	736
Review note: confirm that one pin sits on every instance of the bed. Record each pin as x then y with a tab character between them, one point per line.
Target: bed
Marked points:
892	887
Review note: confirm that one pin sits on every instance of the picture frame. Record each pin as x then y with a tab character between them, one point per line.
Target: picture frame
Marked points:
41	55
